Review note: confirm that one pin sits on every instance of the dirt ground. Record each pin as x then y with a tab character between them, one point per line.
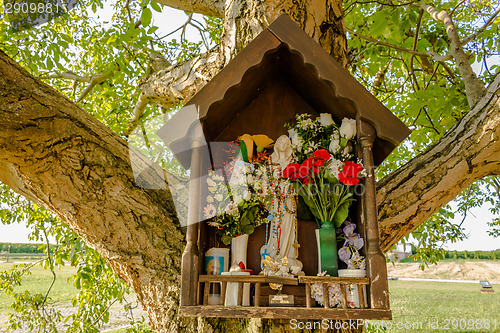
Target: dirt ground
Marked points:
448	270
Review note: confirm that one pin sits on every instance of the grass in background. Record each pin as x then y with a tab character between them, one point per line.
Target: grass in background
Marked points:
415	302
39	281
411	301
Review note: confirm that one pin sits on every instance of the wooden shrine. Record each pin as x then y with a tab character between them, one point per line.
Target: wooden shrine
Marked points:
283	72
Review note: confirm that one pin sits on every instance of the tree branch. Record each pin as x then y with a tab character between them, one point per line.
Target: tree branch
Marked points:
180	82
474	88
93	80
473	36
466	153
67	75
213	8
433	55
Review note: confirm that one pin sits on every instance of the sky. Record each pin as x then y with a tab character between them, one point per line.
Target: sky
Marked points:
475	223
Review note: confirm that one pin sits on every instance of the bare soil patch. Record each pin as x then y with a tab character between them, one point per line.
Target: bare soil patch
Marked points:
448	270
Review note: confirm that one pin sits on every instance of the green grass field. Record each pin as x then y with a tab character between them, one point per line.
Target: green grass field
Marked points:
38	282
449	307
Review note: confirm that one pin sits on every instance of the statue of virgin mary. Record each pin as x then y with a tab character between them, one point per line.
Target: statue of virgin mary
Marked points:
282	238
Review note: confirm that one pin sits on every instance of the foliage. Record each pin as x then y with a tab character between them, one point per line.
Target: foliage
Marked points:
98	287
425	93
325	178
96	38
236	206
431	236
21	247
488	255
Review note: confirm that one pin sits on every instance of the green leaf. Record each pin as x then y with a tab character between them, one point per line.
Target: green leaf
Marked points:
341	213
156	6
226	239
248	229
146	17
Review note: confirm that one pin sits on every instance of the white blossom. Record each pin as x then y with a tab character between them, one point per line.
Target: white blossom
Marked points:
325	119
334	146
294	137
334	167
218	197
348	128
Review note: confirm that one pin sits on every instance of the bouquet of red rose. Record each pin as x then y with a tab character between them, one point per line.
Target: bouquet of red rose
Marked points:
325	184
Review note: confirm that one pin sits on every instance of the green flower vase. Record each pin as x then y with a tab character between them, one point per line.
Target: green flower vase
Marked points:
327	249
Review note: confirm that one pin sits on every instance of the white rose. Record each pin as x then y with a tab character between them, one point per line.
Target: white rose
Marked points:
348	128
325	119
334	146
294	137
334	167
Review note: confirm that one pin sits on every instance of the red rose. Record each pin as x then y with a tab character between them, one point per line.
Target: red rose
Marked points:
321	154
351	169
306	180
290	170
304	168
318	163
348	180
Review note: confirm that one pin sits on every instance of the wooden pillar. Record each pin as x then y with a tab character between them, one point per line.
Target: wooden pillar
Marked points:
190	258
375	260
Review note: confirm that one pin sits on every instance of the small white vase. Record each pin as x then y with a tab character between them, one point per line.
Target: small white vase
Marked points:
239	250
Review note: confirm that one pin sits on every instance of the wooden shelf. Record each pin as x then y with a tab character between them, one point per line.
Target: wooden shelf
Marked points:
284	312
249	279
334	279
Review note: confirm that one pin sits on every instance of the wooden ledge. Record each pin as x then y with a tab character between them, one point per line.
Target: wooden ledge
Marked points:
249	279
333	279
284	312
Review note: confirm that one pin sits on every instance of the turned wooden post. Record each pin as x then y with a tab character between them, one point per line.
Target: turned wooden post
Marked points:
190	257
375	260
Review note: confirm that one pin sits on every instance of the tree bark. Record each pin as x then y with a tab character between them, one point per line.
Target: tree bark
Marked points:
56	154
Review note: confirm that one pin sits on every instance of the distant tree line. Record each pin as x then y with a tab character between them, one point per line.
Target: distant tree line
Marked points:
21	248
491	255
